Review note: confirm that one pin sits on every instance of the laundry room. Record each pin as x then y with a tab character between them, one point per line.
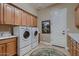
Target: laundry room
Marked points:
39	29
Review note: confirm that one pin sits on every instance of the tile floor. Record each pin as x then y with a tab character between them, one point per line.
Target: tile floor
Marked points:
44	46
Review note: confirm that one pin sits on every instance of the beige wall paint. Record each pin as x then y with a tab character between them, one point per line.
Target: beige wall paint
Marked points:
27	7
45	14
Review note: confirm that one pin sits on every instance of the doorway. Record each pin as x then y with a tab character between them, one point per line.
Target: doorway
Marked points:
59	28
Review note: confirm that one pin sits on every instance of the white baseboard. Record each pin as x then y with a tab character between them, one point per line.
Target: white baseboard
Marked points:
46	43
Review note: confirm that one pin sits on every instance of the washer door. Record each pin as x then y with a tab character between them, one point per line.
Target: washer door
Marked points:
26	34
35	33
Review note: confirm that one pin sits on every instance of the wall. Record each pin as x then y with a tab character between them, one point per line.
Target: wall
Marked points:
45	14
27	7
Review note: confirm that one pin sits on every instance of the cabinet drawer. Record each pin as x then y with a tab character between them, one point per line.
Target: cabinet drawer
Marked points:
7	40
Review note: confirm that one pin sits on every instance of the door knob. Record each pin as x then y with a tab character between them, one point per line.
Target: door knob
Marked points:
63	33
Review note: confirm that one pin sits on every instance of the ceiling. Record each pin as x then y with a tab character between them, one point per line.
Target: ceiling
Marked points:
39	6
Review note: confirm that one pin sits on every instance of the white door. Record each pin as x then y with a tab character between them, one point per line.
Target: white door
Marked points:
59	28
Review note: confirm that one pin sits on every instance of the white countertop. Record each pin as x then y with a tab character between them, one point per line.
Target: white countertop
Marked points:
7	37
74	36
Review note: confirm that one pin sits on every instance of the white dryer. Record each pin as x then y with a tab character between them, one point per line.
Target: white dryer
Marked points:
24	39
34	40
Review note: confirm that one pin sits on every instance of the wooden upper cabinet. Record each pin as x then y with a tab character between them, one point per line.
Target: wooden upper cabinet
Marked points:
18	16
28	21
33	21
77	16
24	18
8	14
13	15
1	13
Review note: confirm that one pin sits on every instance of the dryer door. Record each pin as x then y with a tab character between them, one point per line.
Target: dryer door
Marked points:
35	33
26	35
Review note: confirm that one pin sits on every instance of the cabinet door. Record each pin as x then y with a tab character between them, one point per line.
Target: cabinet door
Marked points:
77	17
71	47
77	49
74	46
77	52
8	14
24	17
68	43
17	16
1	13
28	21
35	22
11	48
2	50
32	21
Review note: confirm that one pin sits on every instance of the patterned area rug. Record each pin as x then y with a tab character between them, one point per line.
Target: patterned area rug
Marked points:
47	52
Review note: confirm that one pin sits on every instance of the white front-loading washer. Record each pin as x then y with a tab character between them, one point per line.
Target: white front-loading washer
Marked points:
35	34
24	39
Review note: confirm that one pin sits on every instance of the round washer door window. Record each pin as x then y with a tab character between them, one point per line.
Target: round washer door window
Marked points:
35	33
26	34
